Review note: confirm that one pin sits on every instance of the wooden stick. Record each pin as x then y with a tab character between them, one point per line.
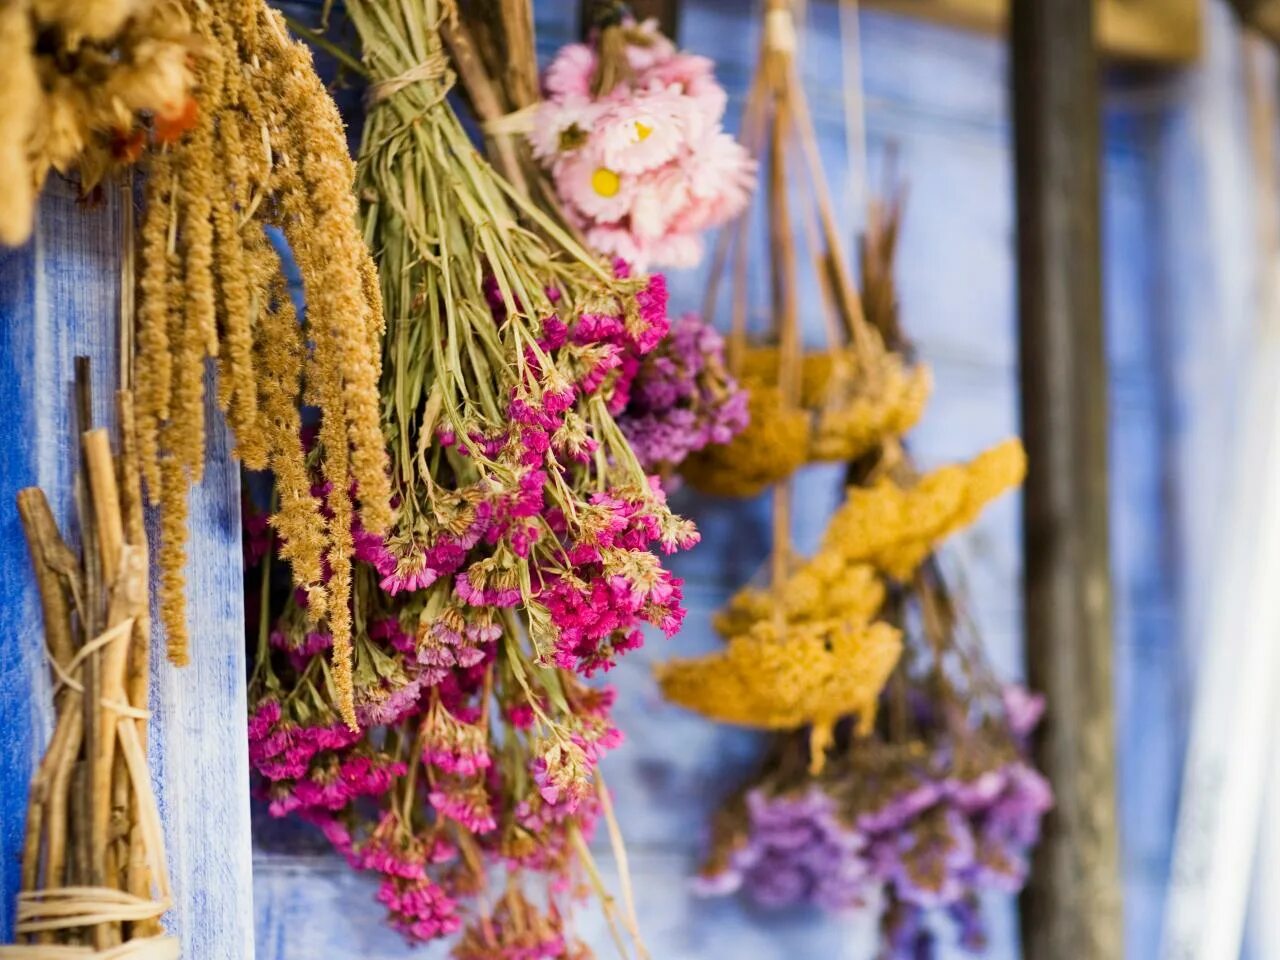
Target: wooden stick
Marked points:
106	501
782	273
484	99
45	544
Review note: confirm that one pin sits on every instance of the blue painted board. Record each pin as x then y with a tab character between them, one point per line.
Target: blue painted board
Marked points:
59	299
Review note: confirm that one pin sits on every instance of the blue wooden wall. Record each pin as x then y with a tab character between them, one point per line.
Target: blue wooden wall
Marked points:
59	298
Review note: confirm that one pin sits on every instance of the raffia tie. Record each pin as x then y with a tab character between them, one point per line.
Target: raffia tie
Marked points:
511	124
780	31
432	71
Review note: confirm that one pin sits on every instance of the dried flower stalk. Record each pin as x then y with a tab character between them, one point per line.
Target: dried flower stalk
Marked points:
268	150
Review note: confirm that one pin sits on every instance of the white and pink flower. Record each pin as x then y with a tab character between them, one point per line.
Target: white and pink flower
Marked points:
646	168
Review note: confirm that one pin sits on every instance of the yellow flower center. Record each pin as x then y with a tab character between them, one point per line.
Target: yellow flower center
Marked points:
643	131
605	182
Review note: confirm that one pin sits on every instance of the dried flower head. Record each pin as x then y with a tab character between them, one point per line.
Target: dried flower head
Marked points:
774	444
894	528
86	87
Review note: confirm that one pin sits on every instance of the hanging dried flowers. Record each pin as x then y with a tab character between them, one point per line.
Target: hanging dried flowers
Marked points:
268	150
630	129
673	401
683	399
925	800
834	404
519	558
86	87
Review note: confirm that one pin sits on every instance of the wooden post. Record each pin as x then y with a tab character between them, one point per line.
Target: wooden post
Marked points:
1071	908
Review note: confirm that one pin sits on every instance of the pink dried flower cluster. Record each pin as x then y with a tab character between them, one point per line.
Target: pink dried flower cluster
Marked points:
521	560
646	168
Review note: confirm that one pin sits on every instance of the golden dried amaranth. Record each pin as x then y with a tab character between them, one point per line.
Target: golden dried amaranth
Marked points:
268	149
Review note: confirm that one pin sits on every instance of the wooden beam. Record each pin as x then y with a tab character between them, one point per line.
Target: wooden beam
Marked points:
667	13
1071	908
1155	30
1261	15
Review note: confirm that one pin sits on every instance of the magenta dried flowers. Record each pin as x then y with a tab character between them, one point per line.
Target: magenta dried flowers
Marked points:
630	129
522	553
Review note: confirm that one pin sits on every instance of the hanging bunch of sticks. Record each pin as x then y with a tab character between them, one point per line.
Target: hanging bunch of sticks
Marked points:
94	880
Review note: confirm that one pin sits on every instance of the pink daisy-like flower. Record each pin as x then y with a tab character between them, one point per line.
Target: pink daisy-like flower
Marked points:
642	133
571	73
591	187
647	167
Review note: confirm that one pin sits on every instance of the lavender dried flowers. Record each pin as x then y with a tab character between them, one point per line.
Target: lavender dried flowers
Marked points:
683	398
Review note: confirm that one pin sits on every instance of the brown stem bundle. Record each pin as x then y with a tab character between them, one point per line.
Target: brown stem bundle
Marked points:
268	150
491	45
93	873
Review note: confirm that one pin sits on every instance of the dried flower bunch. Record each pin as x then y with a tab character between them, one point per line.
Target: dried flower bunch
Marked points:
834	404
809	650
519	559
920	802
94	879
939	806
630	129
86	85
267	150
846	417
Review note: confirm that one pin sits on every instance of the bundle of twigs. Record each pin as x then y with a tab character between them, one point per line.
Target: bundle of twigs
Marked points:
491	44
94	881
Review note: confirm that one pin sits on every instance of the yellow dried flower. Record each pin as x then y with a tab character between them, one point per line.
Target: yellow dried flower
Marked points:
854	419
760	365
781	677
895	528
19	107
772	447
857	401
827	587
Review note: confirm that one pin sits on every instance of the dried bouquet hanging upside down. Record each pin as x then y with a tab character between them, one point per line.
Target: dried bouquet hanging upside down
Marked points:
268	150
519	559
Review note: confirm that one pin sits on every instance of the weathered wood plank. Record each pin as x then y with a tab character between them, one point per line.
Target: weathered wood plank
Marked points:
59	299
1072	905
1160	30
